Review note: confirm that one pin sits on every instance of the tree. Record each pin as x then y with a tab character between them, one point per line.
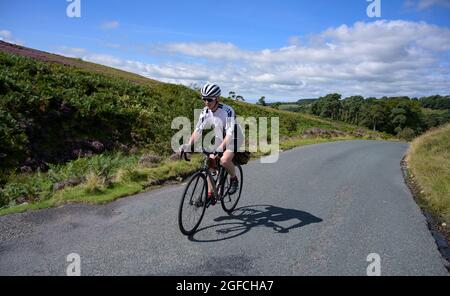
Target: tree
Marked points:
231	95
194	86
435	102
398	116
328	106
240	98
351	108
374	113
406	134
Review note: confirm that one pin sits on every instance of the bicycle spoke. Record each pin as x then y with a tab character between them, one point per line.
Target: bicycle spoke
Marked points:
190	200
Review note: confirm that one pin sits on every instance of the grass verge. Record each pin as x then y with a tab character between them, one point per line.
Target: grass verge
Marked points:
428	174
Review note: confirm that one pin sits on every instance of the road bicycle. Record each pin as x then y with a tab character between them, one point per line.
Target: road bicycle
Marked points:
195	196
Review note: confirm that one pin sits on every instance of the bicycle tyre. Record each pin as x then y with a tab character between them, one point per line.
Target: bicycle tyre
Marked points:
229	202
198	177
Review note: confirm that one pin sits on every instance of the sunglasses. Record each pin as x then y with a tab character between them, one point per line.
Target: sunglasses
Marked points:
209	100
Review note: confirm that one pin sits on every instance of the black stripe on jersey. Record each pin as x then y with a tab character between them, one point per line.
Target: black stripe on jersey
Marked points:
203	115
229	112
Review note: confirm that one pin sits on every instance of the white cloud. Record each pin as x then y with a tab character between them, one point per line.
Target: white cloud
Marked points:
371	59
7	36
73	52
113	45
110	25
104	59
294	40
425	4
212	50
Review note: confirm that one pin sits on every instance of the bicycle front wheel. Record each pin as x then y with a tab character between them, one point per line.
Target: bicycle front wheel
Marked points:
193	204
230	201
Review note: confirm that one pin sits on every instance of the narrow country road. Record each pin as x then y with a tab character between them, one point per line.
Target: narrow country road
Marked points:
320	210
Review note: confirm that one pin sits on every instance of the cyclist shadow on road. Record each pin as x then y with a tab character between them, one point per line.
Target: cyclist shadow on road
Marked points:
244	219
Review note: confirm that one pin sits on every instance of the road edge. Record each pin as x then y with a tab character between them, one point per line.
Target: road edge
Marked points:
440	238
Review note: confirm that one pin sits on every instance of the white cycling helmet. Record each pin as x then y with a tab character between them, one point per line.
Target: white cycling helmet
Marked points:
210	90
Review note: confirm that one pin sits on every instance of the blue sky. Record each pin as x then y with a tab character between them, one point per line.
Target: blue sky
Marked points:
279	49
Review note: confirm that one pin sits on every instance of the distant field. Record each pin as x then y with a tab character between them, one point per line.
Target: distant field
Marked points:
292	107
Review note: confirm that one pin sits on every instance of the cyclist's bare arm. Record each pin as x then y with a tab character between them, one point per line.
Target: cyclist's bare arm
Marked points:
194	138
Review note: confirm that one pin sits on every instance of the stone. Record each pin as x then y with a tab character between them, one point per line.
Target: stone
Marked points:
149	160
62	185
175	157
25	169
97	146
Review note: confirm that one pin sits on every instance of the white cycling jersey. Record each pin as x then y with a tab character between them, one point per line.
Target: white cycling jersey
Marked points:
223	120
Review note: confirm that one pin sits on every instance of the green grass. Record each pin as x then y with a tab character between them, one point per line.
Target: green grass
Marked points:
298	141
78	194
429	166
133	179
289	107
26	207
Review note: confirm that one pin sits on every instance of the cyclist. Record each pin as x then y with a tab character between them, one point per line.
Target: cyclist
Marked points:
228	134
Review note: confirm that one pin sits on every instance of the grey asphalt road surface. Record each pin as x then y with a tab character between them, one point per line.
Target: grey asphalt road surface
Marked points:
320	210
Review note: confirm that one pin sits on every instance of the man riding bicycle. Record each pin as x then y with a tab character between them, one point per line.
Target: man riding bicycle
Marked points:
229	136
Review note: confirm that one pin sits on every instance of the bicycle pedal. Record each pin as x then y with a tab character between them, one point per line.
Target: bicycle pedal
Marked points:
212	201
199	204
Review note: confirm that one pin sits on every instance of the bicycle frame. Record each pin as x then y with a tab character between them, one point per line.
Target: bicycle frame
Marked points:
220	181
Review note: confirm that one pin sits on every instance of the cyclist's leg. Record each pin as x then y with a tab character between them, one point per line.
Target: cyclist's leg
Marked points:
227	159
211	195
227	162
210	187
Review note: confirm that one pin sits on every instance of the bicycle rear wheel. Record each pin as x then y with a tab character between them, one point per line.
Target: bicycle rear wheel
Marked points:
230	201
193	204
